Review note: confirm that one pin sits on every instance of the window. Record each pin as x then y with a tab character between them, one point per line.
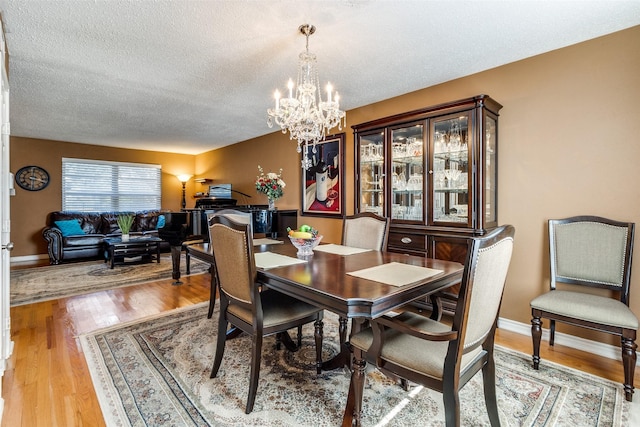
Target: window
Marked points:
99	186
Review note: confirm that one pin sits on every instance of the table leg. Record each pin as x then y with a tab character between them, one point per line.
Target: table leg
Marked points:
175	259
111	256
158	253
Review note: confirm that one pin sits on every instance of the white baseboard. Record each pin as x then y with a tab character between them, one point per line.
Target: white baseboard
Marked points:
593	347
29	258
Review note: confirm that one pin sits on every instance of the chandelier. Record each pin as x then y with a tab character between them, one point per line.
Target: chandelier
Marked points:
307	118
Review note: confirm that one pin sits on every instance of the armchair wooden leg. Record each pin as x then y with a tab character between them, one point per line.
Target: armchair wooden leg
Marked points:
629	363
451	405
536	335
256	356
212	295
552	332
222	338
489	380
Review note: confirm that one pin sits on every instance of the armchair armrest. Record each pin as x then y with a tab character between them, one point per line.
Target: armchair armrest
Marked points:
380	324
53	236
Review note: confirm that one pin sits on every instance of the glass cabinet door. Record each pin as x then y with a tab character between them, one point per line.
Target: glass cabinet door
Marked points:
407	172
450	169
371	152
490	171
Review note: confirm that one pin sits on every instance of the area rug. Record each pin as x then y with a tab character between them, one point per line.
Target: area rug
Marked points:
156	372
58	281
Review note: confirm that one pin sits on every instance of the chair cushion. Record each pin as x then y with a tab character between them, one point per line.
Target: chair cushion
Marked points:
417	354
277	308
592	308
69	227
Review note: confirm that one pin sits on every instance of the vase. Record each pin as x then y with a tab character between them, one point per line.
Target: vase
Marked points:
272	204
125	237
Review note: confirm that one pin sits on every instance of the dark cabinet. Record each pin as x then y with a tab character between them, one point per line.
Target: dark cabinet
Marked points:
433	171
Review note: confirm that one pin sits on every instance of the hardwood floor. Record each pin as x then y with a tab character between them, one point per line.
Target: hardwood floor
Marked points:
47	382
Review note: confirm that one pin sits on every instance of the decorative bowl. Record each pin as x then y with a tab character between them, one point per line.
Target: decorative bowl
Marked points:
305	246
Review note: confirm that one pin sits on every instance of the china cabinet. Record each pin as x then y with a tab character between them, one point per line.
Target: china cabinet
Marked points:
433	171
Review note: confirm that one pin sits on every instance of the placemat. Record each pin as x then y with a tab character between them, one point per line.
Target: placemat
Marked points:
266	260
339	249
266	241
395	273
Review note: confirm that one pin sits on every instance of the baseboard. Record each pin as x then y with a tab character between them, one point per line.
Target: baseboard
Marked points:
593	347
27	258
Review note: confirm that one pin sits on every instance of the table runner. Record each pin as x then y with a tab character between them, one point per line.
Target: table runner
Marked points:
395	273
339	249
266	260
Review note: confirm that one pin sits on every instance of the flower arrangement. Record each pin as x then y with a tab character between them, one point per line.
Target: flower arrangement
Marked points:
270	184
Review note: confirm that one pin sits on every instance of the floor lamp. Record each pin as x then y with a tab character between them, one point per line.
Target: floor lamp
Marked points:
183	179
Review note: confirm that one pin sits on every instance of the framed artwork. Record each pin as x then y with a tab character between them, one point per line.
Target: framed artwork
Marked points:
323	183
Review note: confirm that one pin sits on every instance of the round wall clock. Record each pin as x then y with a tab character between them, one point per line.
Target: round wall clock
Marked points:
32	178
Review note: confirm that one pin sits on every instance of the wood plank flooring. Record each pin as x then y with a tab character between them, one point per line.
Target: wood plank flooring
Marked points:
47	382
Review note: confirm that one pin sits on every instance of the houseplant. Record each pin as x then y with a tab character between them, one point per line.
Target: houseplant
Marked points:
125	222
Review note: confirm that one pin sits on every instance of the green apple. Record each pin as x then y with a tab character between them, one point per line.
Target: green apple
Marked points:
305	228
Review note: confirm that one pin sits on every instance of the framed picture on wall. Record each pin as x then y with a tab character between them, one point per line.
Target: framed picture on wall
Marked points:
323	183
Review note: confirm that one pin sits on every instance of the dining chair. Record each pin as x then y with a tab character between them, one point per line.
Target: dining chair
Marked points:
364	230
238	216
439	356
589	252
244	305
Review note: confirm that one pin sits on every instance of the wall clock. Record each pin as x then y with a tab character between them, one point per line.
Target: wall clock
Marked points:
32	178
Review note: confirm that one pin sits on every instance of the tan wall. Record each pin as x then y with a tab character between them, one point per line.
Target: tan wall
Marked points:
568	145
29	209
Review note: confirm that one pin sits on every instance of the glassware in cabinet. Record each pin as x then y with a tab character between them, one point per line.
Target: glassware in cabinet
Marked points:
407	172
371	173
450	169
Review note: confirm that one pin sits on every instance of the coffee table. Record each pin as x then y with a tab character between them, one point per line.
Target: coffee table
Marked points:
138	246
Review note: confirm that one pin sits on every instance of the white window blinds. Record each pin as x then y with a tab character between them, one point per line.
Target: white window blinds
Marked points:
100	186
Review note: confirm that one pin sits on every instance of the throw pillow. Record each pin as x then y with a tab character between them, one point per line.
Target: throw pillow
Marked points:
161	222
69	227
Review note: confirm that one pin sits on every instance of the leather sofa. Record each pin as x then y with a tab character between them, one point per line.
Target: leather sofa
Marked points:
88	241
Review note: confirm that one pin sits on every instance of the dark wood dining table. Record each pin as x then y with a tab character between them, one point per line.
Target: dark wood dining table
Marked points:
323	281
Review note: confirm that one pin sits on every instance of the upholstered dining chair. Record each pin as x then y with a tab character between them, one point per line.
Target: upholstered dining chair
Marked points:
243	304
589	252
238	216
364	230
440	356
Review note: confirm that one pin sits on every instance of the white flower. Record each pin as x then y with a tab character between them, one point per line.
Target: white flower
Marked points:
272	175
281	183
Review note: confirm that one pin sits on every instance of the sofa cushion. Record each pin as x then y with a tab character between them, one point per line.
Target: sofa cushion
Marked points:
69	227
83	240
161	222
110	222
146	221
90	222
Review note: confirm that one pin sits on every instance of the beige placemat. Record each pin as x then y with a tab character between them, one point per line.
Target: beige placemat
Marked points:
266	260
396	273
339	249
266	241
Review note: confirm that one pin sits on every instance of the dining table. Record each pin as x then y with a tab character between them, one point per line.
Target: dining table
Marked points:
351	282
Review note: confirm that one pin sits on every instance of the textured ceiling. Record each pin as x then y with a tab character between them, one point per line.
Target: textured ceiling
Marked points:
190	76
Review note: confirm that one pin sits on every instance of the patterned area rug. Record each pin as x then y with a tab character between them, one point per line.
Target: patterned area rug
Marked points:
58	281
156	372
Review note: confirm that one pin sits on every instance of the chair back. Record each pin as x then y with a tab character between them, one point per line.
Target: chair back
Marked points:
236	215
591	251
232	247
366	230
482	287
